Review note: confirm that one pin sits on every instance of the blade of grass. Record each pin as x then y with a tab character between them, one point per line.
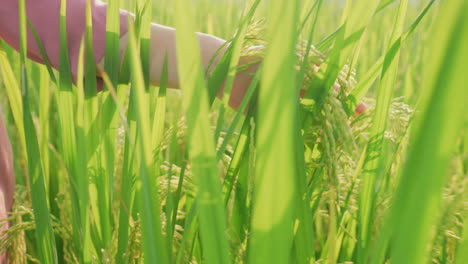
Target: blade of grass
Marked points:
112	52
158	136
195	101
81	158
144	37
233	55
346	41
462	251
127	178
44	233
68	146
92	138
374	156
153	244
109	116
420	190
128	188
13	93
373	73
44	98
303	236
242	107
274	188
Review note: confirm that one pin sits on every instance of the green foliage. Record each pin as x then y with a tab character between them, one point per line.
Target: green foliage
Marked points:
143	174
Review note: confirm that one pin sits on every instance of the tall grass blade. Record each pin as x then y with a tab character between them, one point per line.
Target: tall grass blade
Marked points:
443	112
67	135
153	244
13	93
44	233
112	53
275	187
81	158
375	156
201	146
374	72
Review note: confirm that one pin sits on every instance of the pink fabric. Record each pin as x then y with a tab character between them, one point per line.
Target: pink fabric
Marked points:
45	17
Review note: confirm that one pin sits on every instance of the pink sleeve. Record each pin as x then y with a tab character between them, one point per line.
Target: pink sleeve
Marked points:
45	17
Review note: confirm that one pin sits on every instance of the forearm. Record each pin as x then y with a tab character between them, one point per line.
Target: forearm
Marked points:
7	181
44	16
163	43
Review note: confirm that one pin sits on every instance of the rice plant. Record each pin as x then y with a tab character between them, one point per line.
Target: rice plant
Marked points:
298	173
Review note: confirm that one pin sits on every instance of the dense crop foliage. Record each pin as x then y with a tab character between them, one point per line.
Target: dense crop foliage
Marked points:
144	174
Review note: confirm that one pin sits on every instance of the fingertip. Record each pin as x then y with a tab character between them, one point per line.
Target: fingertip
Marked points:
360	108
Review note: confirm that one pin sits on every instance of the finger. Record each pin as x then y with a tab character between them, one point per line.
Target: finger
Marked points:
360	108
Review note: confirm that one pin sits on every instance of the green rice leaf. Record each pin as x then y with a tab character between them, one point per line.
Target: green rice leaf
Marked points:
44	233
375	155
274	188
443	109
200	141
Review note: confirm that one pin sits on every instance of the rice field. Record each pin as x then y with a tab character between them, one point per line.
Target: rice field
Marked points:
146	174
